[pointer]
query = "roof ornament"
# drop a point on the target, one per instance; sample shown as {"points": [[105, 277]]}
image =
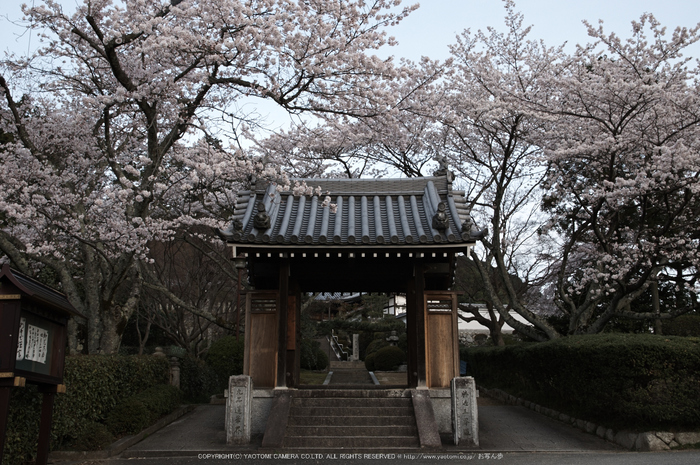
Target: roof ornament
{"points": [[261, 222], [440, 220], [443, 168], [237, 225], [473, 230]]}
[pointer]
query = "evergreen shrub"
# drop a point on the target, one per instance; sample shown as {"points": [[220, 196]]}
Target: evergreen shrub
{"points": [[684, 325], [636, 381], [312, 356], [198, 380], [369, 361], [95, 384], [143, 409], [389, 358], [225, 356]]}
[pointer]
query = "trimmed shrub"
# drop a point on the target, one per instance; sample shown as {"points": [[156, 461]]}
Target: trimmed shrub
{"points": [[312, 357], [369, 361], [198, 381], [95, 384], [95, 436], [378, 343], [225, 356], [142, 410], [630, 381], [684, 325], [389, 358]]}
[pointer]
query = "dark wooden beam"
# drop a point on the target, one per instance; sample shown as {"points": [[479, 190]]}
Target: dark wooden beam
{"points": [[283, 306]]}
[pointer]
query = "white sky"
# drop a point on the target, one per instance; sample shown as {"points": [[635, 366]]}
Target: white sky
{"points": [[429, 30]]}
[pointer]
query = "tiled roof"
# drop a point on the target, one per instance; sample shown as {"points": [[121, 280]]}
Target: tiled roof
{"points": [[368, 212], [39, 291]]}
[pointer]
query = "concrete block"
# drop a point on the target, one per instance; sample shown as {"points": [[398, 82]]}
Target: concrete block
{"points": [[239, 409], [442, 407], [600, 432], [581, 424], [425, 419], [648, 442], [688, 438], [673, 444], [465, 418], [626, 439], [564, 417]]}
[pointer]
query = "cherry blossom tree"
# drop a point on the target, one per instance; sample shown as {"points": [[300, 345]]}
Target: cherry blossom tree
{"points": [[399, 140], [624, 183], [488, 136], [113, 131]]}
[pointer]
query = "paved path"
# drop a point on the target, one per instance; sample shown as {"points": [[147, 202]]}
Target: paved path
{"points": [[513, 428], [501, 429]]}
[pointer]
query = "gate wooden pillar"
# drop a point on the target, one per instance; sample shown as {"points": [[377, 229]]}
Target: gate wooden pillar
{"points": [[283, 309], [415, 327]]}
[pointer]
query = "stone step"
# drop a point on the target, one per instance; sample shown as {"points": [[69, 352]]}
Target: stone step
{"points": [[352, 431], [364, 393], [350, 402], [304, 420], [344, 442], [355, 411]]}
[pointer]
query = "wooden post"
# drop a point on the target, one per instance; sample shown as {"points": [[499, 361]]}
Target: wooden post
{"points": [[42, 455], [419, 328], [5, 392], [283, 308]]}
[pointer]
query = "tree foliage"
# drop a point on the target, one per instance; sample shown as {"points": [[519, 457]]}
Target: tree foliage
{"points": [[113, 130]]}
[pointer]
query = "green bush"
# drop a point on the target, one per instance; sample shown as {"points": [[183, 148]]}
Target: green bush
{"points": [[143, 409], [636, 381], [684, 325], [198, 381], [312, 357], [95, 384], [129, 417], [389, 358], [379, 343], [369, 361], [95, 436], [225, 356]]}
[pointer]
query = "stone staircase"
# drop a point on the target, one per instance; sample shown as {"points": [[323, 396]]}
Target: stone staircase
{"points": [[351, 419]]}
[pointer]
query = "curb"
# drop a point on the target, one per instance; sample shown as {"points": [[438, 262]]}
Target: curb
{"points": [[122, 444], [649, 441]]}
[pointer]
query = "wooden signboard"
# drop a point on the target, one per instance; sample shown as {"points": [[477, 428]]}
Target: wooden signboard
{"points": [[33, 331]]}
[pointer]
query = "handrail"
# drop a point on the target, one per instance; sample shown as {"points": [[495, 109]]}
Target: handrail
{"points": [[337, 347]]}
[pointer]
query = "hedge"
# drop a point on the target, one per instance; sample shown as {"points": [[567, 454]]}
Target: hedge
{"points": [[143, 409], [635, 381], [225, 356], [95, 384]]}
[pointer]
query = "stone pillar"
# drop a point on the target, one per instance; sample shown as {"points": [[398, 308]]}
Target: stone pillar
{"points": [[355, 347], [465, 417], [175, 372], [239, 404]]}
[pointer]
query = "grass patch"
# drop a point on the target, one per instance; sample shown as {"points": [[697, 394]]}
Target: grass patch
{"points": [[312, 377]]}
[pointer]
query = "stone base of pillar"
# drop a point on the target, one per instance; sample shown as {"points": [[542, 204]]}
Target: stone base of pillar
{"points": [[465, 416], [239, 404]]}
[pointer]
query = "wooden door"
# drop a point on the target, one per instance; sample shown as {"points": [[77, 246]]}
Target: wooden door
{"points": [[261, 336]]}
